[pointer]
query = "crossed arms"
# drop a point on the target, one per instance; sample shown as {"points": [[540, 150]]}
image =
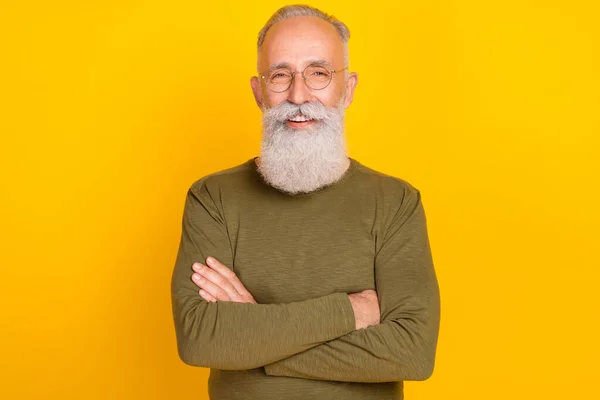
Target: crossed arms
{"points": [[314, 338]]}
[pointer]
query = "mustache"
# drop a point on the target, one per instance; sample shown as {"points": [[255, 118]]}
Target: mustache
{"points": [[287, 110]]}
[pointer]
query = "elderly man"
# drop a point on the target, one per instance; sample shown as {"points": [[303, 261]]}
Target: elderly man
{"points": [[302, 273]]}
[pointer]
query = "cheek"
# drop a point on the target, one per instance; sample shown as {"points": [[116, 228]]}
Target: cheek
{"points": [[273, 99], [330, 98]]}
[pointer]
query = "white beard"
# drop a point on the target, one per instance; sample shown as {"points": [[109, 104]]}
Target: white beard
{"points": [[303, 160]]}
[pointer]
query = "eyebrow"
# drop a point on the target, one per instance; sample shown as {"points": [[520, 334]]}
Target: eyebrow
{"points": [[320, 62]]}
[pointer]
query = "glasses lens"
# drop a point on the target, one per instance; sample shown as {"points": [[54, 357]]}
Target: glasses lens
{"points": [[279, 80], [317, 77]]}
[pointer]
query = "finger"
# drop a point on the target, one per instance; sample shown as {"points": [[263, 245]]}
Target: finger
{"points": [[214, 290], [229, 274], [216, 278], [207, 296]]}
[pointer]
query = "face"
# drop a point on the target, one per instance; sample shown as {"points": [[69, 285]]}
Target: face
{"points": [[297, 42], [303, 146]]}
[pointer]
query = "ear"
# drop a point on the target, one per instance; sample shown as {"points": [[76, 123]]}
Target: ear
{"points": [[350, 86], [256, 90]]}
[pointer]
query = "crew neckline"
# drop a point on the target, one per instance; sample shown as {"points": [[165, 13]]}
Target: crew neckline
{"points": [[251, 164]]}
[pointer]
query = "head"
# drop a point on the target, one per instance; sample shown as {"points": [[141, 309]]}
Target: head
{"points": [[303, 146]]}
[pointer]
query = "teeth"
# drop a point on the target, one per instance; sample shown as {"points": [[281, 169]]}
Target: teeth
{"points": [[300, 118]]}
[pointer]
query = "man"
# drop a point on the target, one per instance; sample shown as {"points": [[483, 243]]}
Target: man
{"points": [[322, 284]]}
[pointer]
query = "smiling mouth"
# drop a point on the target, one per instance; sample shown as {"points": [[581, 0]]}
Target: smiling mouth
{"points": [[299, 125], [299, 121], [300, 118]]}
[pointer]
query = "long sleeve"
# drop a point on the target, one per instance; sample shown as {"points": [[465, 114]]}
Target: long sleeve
{"points": [[237, 336], [403, 345]]}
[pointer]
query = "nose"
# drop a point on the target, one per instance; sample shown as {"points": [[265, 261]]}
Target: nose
{"points": [[299, 93]]}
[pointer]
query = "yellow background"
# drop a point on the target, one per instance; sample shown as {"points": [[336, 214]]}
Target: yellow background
{"points": [[111, 109]]}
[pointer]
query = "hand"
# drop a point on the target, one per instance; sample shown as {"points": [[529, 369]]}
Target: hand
{"points": [[219, 283], [366, 308]]}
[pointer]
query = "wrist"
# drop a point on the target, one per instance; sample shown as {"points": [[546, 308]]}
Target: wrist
{"points": [[356, 310]]}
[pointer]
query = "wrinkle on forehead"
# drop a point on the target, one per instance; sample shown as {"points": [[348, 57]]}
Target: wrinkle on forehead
{"points": [[301, 40]]}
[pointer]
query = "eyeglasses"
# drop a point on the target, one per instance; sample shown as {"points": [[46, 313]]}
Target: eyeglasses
{"points": [[316, 77]]}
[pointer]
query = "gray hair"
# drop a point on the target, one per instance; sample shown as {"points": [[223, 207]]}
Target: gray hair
{"points": [[301, 10]]}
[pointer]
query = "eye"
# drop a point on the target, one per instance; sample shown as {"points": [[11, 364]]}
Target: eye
{"points": [[318, 73], [280, 75]]}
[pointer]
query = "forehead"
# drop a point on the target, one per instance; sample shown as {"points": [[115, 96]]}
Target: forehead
{"points": [[298, 41]]}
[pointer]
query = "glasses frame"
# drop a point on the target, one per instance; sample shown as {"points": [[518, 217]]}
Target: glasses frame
{"points": [[332, 71]]}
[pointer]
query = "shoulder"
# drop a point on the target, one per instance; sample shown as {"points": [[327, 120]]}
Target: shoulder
{"points": [[218, 181], [390, 187], [396, 199]]}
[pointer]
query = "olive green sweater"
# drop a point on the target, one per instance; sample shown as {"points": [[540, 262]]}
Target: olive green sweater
{"points": [[300, 256]]}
